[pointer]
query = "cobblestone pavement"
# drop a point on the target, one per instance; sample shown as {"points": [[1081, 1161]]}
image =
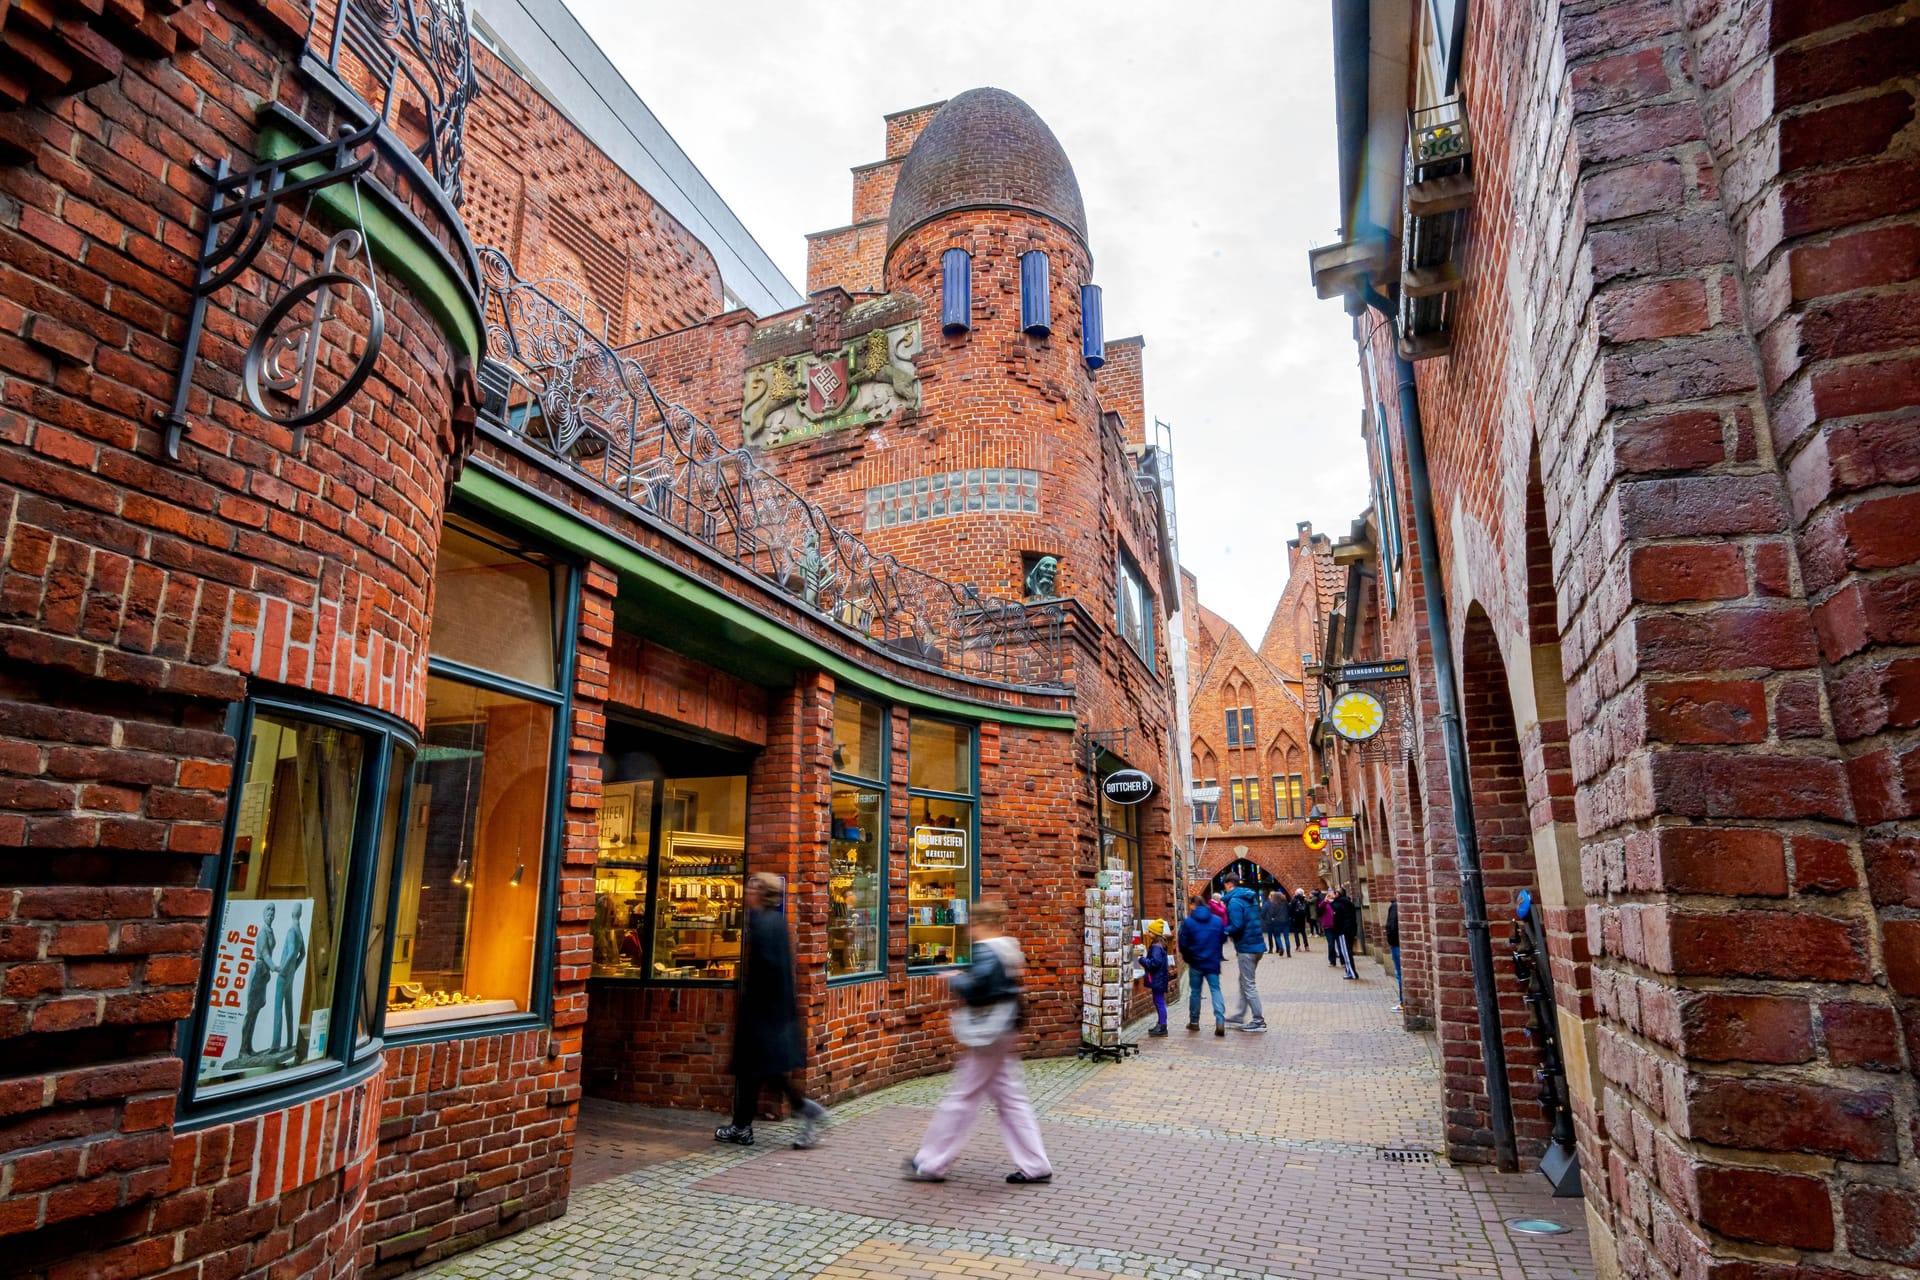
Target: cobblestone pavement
{"points": [[1250, 1156]]}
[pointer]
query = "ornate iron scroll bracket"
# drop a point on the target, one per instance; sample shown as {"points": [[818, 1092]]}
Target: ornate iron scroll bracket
{"points": [[242, 211]]}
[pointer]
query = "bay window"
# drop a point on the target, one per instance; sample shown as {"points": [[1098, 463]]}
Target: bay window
{"points": [[942, 869]]}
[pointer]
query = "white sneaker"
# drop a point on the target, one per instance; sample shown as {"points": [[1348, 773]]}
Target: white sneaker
{"points": [[812, 1114]]}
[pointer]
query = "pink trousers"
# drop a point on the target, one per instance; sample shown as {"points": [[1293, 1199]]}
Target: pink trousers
{"points": [[992, 1073]]}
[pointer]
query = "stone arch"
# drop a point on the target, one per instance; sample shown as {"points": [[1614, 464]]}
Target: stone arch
{"points": [[1545, 748], [1497, 776]]}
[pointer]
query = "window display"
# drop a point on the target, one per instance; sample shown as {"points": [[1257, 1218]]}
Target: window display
{"points": [[274, 964], [702, 884], [620, 880], [1120, 844], [374, 967], [940, 854], [669, 882], [856, 871], [474, 858]]}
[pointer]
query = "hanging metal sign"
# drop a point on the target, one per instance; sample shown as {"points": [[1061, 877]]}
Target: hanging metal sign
{"points": [[1313, 837], [284, 357], [1359, 672], [1340, 822], [1127, 786]]}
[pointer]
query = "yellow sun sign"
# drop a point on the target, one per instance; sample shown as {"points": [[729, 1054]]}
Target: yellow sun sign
{"points": [[1357, 715], [1313, 837]]}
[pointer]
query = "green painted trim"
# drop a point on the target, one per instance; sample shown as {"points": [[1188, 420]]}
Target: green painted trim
{"points": [[396, 244], [564, 527]]}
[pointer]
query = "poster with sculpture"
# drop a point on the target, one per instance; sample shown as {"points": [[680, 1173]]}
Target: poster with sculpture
{"points": [[868, 380], [257, 1001]]}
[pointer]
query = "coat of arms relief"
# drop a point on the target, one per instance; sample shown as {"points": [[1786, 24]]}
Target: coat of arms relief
{"points": [[868, 380]]}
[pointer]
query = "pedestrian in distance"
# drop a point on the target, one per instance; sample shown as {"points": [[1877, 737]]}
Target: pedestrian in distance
{"points": [[1249, 944], [1345, 929], [1393, 945], [1274, 918], [1314, 904], [1202, 938], [986, 1023], [767, 1045], [1218, 905], [1155, 967], [1326, 930], [1297, 910]]}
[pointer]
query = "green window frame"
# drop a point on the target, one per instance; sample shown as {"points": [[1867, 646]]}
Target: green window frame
{"points": [[846, 778]]}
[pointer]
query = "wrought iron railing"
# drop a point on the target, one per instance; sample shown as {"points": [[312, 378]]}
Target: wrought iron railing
{"points": [[554, 380], [412, 61]]}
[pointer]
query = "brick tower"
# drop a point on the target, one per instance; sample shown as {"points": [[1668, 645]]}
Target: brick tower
{"points": [[1008, 403]]}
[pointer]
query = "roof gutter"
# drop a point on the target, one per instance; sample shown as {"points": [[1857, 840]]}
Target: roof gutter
{"points": [[1352, 51]]}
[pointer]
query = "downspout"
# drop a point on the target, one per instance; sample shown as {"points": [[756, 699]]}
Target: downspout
{"points": [[1473, 898]]}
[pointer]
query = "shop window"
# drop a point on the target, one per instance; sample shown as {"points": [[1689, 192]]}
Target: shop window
{"points": [[857, 871], [942, 868], [1134, 610], [669, 884], [291, 985], [703, 840], [475, 858], [469, 930], [1120, 846], [374, 963]]}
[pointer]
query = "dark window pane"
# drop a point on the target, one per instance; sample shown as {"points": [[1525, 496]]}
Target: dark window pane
{"points": [[373, 996]]}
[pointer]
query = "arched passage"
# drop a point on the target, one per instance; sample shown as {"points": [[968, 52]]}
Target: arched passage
{"points": [[1504, 830]]}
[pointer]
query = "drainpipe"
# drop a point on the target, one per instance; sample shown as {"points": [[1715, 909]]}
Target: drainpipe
{"points": [[1473, 898]]}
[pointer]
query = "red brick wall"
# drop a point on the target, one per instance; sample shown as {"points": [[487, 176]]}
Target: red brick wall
{"points": [[538, 190], [1693, 322], [138, 598], [1121, 385]]}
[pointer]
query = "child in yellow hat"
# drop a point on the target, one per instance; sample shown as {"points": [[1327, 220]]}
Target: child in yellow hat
{"points": [[1154, 964]]}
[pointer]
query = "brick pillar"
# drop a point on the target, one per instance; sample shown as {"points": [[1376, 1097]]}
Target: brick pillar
{"points": [[788, 817], [1717, 805]]}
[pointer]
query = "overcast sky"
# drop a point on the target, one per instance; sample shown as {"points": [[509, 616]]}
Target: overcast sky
{"points": [[1202, 136]]}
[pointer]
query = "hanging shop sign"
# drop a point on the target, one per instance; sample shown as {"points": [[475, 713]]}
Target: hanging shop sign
{"points": [[1357, 715], [1313, 837], [1127, 786], [939, 848], [1340, 822], [1339, 854], [1360, 672]]}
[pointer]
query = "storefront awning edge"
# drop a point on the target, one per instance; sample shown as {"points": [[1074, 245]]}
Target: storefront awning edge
{"points": [[534, 512]]}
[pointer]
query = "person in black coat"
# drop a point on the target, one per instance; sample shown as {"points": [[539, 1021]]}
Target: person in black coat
{"points": [[767, 1044], [1346, 927]]}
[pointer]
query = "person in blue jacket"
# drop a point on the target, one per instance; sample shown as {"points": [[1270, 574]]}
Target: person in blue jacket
{"points": [[1244, 926], [1202, 937]]}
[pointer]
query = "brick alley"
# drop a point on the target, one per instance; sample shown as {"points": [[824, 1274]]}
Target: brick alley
{"points": [[1250, 1156]]}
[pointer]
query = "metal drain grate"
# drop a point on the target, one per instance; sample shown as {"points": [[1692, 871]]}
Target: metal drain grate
{"points": [[1404, 1155]]}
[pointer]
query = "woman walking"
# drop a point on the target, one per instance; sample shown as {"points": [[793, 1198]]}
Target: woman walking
{"points": [[986, 1024], [1345, 930]]}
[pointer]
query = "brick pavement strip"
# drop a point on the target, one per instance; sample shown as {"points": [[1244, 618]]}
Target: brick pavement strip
{"points": [[1252, 1156]]}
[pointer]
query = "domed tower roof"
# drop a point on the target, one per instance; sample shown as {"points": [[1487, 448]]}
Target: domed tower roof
{"points": [[985, 149]]}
